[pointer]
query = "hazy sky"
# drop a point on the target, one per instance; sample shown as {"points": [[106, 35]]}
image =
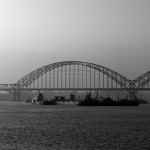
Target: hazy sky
{"points": [[111, 33]]}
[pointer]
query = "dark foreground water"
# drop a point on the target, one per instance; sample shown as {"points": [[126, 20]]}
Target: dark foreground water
{"points": [[36, 127]]}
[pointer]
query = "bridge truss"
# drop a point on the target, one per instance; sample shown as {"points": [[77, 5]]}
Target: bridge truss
{"points": [[77, 75]]}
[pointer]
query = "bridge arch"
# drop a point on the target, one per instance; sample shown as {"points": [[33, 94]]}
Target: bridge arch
{"points": [[142, 80], [119, 79]]}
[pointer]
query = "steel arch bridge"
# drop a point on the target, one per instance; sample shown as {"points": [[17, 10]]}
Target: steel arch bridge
{"points": [[77, 75], [73, 75]]}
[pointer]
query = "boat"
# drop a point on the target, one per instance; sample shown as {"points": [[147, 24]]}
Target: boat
{"points": [[123, 102], [49, 102], [88, 101]]}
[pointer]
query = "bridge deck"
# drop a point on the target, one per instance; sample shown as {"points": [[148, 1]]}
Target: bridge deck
{"points": [[8, 87]]}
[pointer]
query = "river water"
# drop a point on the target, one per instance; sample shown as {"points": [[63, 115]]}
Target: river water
{"points": [[25, 126]]}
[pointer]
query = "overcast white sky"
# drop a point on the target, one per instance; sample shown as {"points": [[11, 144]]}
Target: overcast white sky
{"points": [[111, 33]]}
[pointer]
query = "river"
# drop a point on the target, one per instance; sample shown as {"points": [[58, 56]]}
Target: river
{"points": [[25, 126]]}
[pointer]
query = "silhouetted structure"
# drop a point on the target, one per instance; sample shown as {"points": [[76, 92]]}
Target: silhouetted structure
{"points": [[40, 97], [88, 101]]}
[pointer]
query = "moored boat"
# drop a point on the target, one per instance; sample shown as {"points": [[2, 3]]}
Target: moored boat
{"points": [[88, 101]]}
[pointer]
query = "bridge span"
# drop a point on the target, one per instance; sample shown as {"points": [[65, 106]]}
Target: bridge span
{"points": [[77, 75]]}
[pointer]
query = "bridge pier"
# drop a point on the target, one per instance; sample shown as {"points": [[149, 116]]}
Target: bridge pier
{"points": [[16, 96], [132, 95]]}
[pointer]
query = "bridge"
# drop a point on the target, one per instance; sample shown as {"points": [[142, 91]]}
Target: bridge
{"points": [[77, 75]]}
